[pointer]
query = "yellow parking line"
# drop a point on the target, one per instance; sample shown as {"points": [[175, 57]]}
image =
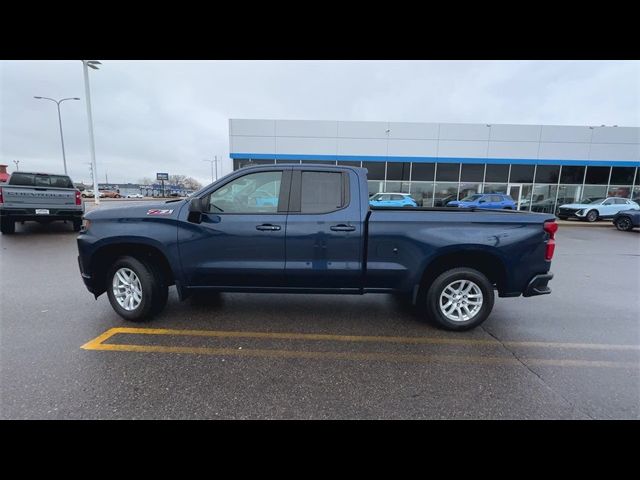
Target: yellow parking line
{"points": [[351, 338], [98, 344], [356, 356]]}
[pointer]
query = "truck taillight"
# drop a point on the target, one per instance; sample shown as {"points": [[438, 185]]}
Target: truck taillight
{"points": [[78, 198], [551, 227]]}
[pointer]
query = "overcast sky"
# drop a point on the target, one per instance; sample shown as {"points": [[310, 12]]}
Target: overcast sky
{"points": [[167, 116]]}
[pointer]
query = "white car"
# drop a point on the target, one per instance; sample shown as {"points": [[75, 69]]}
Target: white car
{"points": [[593, 209], [134, 195]]}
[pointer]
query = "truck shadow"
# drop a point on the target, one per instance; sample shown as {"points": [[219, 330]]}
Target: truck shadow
{"points": [[53, 228]]}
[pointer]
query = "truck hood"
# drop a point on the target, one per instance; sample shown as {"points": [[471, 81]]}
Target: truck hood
{"points": [[149, 209]]}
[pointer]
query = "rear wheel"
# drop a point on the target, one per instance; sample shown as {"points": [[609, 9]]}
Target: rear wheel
{"points": [[592, 216], [562, 217], [623, 224], [7, 226], [136, 291], [460, 299]]}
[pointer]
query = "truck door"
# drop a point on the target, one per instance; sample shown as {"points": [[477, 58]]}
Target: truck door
{"points": [[240, 239], [324, 230]]}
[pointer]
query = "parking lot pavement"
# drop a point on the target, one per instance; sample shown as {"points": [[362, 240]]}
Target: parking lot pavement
{"points": [[573, 354]]}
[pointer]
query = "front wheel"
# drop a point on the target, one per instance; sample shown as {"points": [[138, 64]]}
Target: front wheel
{"points": [[136, 290], [592, 216], [623, 224], [460, 299]]}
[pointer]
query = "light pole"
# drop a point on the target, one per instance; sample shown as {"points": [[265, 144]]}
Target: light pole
{"points": [[17, 162], [58, 102], [86, 64], [215, 160]]}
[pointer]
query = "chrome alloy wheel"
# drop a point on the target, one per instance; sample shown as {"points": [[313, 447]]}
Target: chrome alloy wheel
{"points": [[461, 300], [127, 289]]}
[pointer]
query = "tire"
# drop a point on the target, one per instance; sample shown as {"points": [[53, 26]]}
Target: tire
{"points": [[623, 224], [454, 279], [77, 225], [153, 285], [7, 226], [562, 217], [591, 216]]}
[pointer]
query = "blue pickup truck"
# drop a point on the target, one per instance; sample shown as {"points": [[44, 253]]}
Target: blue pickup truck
{"points": [[320, 236]]}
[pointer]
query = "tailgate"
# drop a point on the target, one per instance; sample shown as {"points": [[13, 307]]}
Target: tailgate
{"points": [[18, 196]]}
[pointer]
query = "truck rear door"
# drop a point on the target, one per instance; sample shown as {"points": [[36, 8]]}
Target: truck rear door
{"points": [[324, 240]]}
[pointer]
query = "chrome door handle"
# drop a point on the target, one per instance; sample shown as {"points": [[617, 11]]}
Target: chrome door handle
{"points": [[342, 228], [268, 227]]}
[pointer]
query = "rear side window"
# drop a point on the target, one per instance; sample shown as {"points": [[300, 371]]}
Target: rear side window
{"points": [[321, 192], [397, 197], [621, 201], [35, 180], [496, 198]]}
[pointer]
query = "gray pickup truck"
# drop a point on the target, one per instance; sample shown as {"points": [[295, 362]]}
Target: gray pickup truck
{"points": [[39, 197]]}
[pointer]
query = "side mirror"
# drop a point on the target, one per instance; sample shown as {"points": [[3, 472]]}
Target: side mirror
{"points": [[482, 201], [196, 209]]}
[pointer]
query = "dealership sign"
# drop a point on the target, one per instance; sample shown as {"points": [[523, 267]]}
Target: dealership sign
{"points": [[162, 176]]}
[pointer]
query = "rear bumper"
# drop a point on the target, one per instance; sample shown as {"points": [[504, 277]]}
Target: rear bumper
{"points": [[29, 214], [538, 285]]}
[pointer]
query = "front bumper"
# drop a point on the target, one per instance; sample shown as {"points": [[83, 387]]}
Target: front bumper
{"points": [[571, 212], [538, 285]]}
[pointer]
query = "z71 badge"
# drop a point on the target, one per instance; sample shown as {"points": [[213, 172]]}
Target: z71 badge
{"points": [[155, 211]]}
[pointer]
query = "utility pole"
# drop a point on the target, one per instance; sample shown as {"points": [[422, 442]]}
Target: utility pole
{"points": [[17, 162], [86, 64]]}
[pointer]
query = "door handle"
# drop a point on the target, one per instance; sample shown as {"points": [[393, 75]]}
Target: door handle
{"points": [[342, 228], [268, 227]]}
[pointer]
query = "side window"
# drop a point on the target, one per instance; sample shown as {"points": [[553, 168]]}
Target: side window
{"points": [[621, 201], [496, 198], [398, 197], [253, 193], [321, 192], [608, 202]]}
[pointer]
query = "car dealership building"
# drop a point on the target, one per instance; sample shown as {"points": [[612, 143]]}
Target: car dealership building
{"points": [[540, 166]]}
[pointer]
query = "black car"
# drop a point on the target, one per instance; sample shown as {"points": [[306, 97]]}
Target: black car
{"points": [[626, 220]]}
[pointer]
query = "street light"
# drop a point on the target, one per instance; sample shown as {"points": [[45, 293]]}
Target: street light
{"points": [[93, 65], [58, 102], [215, 160], [17, 162]]}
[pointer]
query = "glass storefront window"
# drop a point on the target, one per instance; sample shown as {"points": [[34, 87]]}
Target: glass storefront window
{"points": [[448, 172], [397, 187], [594, 191], [422, 193], [636, 195], [522, 173], [376, 170], [572, 174], [495, 188], [398, 171], [622, 175], [467, 189], [597, 175], [445, 193], [543, 198], [287, 161], [569, 194], [547, 174], [349, 163], [525, 197], [422, 172], [375, 186], [472, 172], [623, 191], [320, 162], [497, 173]]}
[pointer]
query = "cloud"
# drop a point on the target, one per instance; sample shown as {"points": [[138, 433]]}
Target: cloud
{"points": [[152, 116]]}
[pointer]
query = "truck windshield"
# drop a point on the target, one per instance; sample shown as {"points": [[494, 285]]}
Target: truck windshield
{"points": [[40, 180]]}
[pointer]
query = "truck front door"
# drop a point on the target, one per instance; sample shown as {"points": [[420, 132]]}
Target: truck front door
{"points": [[324, 239], [240, 239]]}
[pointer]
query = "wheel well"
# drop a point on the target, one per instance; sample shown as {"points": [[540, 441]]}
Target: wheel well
{"points": [[490, 265], [106, 256]]}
